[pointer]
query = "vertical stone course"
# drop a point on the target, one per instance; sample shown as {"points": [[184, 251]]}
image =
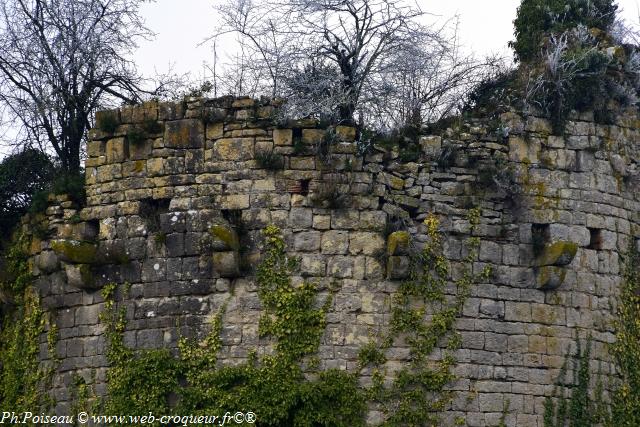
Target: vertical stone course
{"points": [[154, 201]]}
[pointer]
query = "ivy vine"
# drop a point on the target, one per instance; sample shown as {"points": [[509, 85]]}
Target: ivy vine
{"points": [[23, 379], [423, 316], [625, 408], [275, 387]]}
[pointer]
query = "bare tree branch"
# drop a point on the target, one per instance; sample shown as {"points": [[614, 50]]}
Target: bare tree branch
{"points": [[60, 60]]}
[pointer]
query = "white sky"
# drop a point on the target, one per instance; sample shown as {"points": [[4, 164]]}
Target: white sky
{"points": [[486, 26]]}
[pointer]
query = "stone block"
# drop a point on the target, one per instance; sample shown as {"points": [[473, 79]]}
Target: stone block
{"points": [[80, 276], [322, 222], [346, 133], [186, 133], [75, 251], [155, 167], [312, 266], [300, 218], [340, 267], [233, 149], [312, 136], [373, 220], [234, 201], [392, 181], [398, 267], [431, 145], [345, 219], [367, 243], [116, 150], [305, 163], [523, 151], [141, 150], [374, 270], [283, 137], [398, 243], [307, 241], [490, 252], [226, 237], [88, 314], [335, 242], [550, 277], [215, 130], [95, 148], [557, 253], [47, 261], [227, 264]]}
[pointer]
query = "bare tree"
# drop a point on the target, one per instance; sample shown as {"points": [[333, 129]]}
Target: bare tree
{"points": [[60, 60], [428, 79], [340, 43], [373, 61]]}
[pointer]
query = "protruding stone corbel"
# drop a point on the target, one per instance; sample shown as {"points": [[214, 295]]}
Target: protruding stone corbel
{"points": [[550, 264], [398, 255], [226, 256]]}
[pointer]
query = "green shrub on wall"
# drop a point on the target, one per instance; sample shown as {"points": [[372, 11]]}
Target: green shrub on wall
{"points": [[537, 18]]}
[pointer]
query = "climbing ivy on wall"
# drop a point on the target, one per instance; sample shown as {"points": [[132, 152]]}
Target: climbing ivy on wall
{"points": [[625, 409], [284, 388], [424, 316], [274, 386], [23, 380], [572, 404]]}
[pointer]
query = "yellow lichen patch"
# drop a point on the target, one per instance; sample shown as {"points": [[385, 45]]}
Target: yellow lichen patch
{"points": [[139, 165], [227, 235], [557, 253], [397, 242], [75, 251]]}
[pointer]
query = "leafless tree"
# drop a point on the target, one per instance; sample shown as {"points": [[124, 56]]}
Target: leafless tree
{"points": [[428, 79], [60, 60], [366, 60], [332, 46]]}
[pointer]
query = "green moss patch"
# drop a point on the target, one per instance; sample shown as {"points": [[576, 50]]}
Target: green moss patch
{"points": [[75, 251], [227, 235], [398, 243], [557, 253]]}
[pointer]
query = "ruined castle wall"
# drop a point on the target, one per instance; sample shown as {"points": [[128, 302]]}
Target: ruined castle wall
{"points": [[170, 172]]}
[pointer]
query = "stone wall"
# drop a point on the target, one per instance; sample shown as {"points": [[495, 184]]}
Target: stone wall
{"points": [[178, 193]]}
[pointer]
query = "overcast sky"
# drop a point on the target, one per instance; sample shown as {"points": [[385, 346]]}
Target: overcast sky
{"points": [[486, 26]]}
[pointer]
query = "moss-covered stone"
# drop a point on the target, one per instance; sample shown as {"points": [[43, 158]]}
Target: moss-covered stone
{"points": [[346, 133], [188, 133], [550, 277], [398, 243], [226, 235], [557, 253], [227, 264], [80, 276], [75, 251]]}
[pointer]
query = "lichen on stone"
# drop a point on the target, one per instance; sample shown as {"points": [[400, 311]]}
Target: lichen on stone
{"points": [[227, 235], [75, 251], [398, 243], [557, 253]]}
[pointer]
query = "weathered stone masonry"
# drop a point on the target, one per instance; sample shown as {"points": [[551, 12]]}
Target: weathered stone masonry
{"points": [[176, 200]]}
